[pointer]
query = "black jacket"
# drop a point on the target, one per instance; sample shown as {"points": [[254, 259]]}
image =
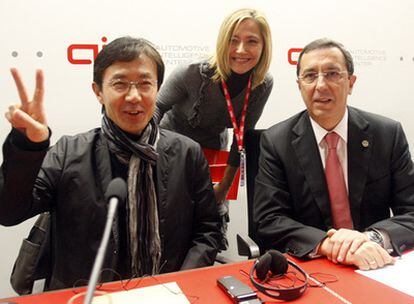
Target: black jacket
{"points": [[291, 205], [70, 179]]}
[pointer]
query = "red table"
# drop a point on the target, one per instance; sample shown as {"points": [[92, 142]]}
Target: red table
{"points": [[200, 286]]}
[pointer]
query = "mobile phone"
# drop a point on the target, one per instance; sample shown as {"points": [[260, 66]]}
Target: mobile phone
{"points": [[238, 291]]}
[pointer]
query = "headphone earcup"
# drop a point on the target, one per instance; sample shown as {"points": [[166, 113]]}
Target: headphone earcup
{"points": [[278, 264], [263, 266]]}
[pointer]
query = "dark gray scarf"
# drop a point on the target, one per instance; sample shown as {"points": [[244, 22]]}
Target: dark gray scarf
{"points": [[143, 225]]}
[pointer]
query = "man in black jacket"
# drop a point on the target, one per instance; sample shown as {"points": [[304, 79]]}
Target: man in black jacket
{"points": [[170, 221], [315, 197]]}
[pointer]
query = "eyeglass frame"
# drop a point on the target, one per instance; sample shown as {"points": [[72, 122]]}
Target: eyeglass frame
{"points": [[138, 85], [323, 74]]}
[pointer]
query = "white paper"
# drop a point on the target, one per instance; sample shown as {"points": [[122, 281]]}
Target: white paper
{"points": [[163, 293], [397, 276]]}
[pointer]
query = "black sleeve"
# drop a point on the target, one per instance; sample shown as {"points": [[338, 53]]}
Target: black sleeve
{"points": [[273, 207], [206, 233], [23, 194], [20, 140], [400, 227]]}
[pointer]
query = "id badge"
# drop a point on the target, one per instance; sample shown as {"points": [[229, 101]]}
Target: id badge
{"points": [[242, 168]]}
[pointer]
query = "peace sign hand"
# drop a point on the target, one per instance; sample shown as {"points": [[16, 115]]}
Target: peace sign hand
{"points": [[29, 116]]}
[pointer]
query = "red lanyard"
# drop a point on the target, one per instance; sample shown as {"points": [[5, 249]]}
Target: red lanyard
{"points": [[238, 131]]}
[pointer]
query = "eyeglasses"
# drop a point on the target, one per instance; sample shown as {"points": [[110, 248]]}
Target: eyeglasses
{"points": [[330, 76], [124, 86]]}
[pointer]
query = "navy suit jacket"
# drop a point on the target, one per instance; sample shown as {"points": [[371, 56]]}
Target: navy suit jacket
{"points": [[291, 208]]}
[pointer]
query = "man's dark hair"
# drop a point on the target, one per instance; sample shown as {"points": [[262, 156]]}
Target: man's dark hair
{"points": [[326, 43], [126, 49]]}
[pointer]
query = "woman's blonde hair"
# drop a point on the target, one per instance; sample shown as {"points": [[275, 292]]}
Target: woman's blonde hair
{"points": [[220, 60]]}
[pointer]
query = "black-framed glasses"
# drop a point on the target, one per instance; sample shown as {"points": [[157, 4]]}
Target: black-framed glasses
{"points": [[124, 86], [329, 76]]}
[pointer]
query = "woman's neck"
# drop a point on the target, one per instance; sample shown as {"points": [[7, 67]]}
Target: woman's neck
{"points": [[237, 82]]}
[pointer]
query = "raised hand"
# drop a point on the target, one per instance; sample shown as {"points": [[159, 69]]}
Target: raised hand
{"points": [[29, 116]]}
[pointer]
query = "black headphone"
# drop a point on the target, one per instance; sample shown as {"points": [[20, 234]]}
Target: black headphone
{"points": [[277, 264]]}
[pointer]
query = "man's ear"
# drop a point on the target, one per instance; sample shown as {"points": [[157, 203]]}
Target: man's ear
{"points": [[298, 82], [97, 90], [352, 80]]}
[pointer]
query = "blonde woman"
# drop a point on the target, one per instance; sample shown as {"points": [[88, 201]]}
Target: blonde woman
{"points": [[203, 99]]}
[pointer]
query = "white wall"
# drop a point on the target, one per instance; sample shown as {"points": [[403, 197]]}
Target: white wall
{"points": [[379, 33]]}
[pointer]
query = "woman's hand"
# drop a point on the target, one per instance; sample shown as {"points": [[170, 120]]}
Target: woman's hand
{"points": [[220, 191]]}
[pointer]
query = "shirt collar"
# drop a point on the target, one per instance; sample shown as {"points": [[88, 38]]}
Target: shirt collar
{"points": [[341, 129]]}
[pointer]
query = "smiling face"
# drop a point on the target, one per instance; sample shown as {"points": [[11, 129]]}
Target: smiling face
{"points": [[133, 109], [246, 46], [325, 100]]}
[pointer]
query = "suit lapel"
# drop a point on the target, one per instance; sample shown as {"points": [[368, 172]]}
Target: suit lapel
{"points": [[103, 171], [360, 142], [165, 155], [307, 152], [103, 165]]}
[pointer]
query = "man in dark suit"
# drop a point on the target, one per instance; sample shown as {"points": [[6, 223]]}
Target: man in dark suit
{"points": [[330, 176]]}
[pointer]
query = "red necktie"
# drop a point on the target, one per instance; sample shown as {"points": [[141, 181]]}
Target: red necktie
{"points": [[341, 214]]}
